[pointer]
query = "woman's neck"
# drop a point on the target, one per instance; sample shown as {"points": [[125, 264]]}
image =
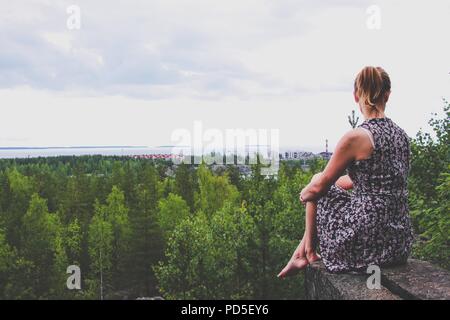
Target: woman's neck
{"points": [[377, 116], [376, 113]]}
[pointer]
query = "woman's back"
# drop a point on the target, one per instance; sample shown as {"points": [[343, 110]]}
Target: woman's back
{"points": [[371, 225], [386, 171]]}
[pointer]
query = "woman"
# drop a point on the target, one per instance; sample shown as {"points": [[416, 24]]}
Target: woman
{"points": [[370, 225]]}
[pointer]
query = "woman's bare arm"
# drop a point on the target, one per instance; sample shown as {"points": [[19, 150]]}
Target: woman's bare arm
{"points": [[355, 145]]}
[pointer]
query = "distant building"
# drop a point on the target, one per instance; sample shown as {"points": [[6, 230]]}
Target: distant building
{"points": [[326, 155], [296, 155], [165, 156]]}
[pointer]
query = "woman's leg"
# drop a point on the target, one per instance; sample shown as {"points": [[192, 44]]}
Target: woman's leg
{"points": [[305, 252], [310, 235], [297, 262]]}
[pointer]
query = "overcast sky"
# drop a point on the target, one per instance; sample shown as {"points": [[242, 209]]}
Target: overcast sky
{"points": [[136, 71]]}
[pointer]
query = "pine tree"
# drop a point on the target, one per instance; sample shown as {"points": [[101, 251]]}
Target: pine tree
{"points": [[147, 242], [100, 252], [213, 191], [183, 274], [172, 211], [7, 258], [40, 229], [73, 240], [353, 122], [184, 184], [59, 286], [116, 213], [19, 191]]}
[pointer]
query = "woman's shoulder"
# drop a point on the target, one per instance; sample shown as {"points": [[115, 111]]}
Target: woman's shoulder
{"points": [[357, 139], [353, 135]]}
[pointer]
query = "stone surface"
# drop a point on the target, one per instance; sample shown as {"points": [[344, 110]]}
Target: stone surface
{"points": [[417, 280], [414, 280], [322, 285], [150, 298]]}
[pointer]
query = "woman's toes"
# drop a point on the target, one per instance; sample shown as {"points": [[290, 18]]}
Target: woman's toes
{"points": [[283, 272], [293, 267]]}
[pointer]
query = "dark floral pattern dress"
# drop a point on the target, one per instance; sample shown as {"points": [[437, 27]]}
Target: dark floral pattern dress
{"points": [[370, 224]]}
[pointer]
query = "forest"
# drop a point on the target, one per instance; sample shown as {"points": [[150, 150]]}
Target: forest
{"points": [[143, 228]]}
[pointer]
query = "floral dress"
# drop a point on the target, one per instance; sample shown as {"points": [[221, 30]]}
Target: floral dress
{"points": [[370, 224]]}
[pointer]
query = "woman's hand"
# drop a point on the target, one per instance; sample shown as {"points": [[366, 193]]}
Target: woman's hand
{"points": [[300, 196], [349, 148], [303, 202], [303, 194]]}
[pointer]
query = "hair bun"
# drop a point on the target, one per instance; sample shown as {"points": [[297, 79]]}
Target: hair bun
{"points": [[372, 84]]}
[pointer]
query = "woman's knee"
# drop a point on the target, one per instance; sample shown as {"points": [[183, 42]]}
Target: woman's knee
{"points": [[316, 176]]}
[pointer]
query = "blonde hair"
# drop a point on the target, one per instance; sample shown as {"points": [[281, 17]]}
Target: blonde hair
{"points": [[372, 85]]}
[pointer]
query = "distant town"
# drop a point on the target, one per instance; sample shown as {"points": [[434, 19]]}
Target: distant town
{"points": [[160, 152], [284, 154]]}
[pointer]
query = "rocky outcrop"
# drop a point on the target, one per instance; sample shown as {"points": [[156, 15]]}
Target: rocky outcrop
{"points": [[414, 280]]}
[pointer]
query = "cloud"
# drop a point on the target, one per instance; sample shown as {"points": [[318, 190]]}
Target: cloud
{"points": [[137, 47], [139, 69]]}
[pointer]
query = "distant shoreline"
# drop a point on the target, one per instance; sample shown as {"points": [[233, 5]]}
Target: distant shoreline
{"points": [[35, 152], [71, 147]]}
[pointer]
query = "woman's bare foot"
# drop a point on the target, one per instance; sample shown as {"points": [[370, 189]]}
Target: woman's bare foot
{"points": [[311, 255], [300, 259], [293, 267], [297, 262]]}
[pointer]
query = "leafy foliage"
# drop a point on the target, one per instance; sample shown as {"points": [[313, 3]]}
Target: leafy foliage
{"points": [[139, 227], [429, 190]]}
